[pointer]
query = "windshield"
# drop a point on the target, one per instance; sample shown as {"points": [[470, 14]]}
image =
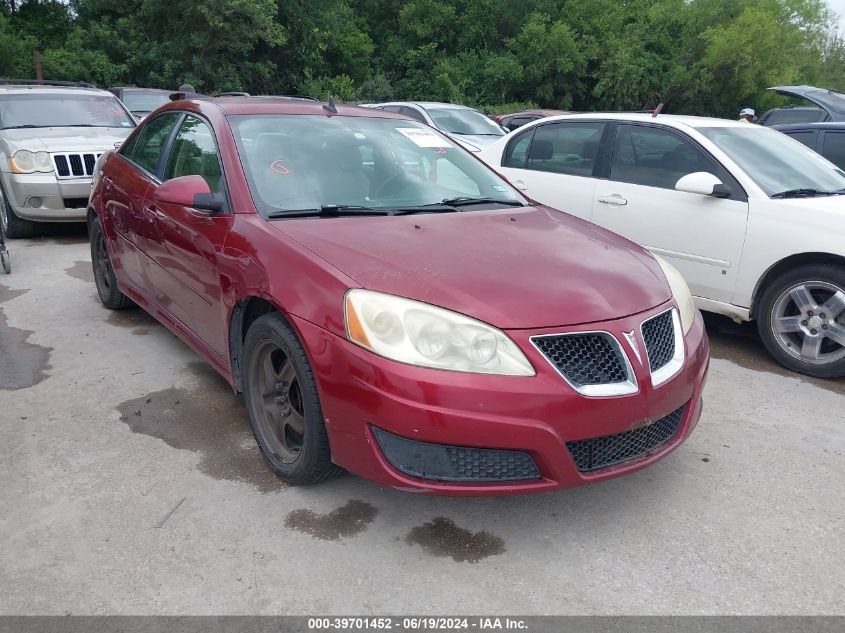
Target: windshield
{"points": [[138, 101], [296, 162], [774, 161], [58, 110], [461, 121]]}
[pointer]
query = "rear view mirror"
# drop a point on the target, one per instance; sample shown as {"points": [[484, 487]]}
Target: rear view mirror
{"points": [[703, 183]]}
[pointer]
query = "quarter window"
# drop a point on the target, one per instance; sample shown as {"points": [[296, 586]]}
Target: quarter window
{"points": [[655, 158], [566, 148], [145, 151], [194, 153]]}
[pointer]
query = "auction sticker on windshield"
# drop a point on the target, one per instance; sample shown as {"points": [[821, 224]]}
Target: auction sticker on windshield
{"points": [[423, 138]]}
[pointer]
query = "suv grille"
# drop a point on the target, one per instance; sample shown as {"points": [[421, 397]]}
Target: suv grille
{"points": [[659, 336], [75, 165], [601, 452], [592, 358]]}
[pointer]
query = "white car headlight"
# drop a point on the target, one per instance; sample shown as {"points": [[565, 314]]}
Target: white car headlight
{"points": [[26, 162], [681, 293], [417, 333]]}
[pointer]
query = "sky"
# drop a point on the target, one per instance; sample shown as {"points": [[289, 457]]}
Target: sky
{"points": [[839, 7]]}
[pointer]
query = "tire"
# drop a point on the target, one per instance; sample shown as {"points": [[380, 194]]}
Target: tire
{"points": [[104, 277], [283, 405], [5, 262], [13, 226], [801, 320]]}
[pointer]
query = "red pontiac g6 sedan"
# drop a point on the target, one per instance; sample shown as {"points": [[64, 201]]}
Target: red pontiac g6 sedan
{"points": [[389, 305]]}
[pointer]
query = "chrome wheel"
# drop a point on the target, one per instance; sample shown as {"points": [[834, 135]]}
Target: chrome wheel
{"points": [[102, 265], [277, 401], [808, 322]]}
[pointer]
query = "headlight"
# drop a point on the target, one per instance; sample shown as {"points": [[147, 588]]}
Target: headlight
{"points": [[421, 334], [26, 162], [681, 293]]}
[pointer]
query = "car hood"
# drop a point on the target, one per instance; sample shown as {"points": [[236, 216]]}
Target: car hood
{"points": [[479, 140], [65, 139], [512, 268]]}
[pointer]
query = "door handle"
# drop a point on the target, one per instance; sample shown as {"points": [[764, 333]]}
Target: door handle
{"points": [[613, 199]]}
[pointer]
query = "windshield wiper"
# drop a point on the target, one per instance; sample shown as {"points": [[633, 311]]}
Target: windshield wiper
{"points": [[20, 127], [467, 200], [434, 207], [802, 193], [328, 211]]}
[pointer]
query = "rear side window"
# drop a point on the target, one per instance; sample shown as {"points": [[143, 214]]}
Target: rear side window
{"points": [[413, 113], [808, 138], [783, 116], [655, 157], [566, 148], [145, 149], [834, 148], [194, 153]]}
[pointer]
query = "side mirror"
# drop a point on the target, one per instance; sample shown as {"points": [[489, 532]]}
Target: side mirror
{"points": [[190, 191], [703, 183]]}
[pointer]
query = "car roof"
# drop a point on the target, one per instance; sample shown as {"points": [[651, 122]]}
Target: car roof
{"points": [[539, 111], [277, 105], [51, 90], [673, 120], [138, 89], [818, 125], [426, 105]]}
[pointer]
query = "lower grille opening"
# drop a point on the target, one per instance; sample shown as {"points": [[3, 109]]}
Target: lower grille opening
{"points": [[443, 462], [607, 450], [75, 203]]}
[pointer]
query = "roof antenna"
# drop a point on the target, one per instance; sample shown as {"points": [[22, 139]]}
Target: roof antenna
{"points": [[330, 107], [658, 109]]}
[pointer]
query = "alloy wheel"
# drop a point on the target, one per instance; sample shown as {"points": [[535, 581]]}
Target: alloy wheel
{"points": [[277, 401], [808, 322], [102, 266], [4, 217]]}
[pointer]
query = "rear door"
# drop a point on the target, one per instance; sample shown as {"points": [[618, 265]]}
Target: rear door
{"points": [[702, 236], [189, 241], [557, 162], [810, 138], [833, 147]]}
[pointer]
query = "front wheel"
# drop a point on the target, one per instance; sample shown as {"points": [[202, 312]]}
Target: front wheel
{"points": [[104, 277], [283, 405], [801, 320], [13, 226]]}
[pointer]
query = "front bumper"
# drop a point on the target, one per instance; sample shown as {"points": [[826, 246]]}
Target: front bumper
{"points": [[43, 198], [361, 393]]}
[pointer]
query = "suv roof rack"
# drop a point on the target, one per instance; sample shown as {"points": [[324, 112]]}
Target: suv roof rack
{"points": [[45, 82]]}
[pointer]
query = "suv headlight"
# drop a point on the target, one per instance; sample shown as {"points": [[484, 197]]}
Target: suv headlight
{"points": [[681, 293], [26, 162], [420, 334]]}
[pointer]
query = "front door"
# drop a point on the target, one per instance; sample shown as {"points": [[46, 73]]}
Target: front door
{"points": [[702, 236], [189, 240]]}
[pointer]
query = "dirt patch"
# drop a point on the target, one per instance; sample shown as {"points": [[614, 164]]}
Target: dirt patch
{"points": [[7, 294], [209, 420], [349, 519], [81, 270], [441, 537], [137, 321], [22, 364], [740, 344]]}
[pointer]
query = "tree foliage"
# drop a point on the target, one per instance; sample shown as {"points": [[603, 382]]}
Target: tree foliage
{"points": [[703, 56]]}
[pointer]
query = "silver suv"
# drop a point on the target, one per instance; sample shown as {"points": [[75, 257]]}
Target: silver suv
{"points": [[50, 139]]}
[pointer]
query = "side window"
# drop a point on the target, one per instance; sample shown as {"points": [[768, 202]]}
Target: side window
{"points": [[810, 139], [655, 157], [146, 150], [566, 148], [518, 122], [413, 113], [834, 148], [395, 109], [516, 153], [194, 153]]}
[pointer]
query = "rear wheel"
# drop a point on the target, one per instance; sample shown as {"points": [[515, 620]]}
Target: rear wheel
{"points": [[104, 277], [284, 408], [13, 226], [801, 320]]}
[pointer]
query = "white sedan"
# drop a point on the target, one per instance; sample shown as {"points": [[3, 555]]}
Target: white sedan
{"points": [[753, 219]]}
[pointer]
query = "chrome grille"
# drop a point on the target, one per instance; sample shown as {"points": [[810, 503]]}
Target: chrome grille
{"points": [[75, 164], [593, 363], [659, 337], [607, 450]]}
